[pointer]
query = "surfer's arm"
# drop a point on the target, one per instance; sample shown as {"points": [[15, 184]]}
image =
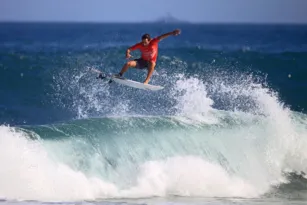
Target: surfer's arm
{"points": [[173, 33], [132, 48]]}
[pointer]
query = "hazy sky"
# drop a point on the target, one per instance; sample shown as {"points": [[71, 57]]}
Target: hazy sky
{"points": [[286, 11]]}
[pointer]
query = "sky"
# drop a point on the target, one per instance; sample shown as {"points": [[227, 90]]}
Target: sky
{"points": [[204, 11]]}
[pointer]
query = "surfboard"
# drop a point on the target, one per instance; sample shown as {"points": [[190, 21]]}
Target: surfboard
{"points": [[127, 82]]}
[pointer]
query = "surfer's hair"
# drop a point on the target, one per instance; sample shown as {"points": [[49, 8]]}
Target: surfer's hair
{"points": [[146, 36]]}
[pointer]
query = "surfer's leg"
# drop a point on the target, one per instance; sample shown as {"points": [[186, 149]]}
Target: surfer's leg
{"points": [[151, 68], [132, 63]]}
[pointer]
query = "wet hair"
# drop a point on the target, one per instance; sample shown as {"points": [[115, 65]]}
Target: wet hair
{"points": [[146, 36]]}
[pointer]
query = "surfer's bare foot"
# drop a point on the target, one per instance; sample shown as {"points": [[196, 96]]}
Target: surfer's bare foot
{"points": [[146, 82]]}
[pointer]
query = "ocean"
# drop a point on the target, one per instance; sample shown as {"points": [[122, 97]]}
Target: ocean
{"points": [[229, 127]]}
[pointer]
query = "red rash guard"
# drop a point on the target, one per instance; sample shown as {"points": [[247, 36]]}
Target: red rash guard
{"points": [[149, 52]]}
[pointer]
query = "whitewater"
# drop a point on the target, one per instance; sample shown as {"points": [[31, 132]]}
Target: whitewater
{"points": [[199, 152]]}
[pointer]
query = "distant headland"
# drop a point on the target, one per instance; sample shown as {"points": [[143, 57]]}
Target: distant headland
{"points": [[168, 18]]}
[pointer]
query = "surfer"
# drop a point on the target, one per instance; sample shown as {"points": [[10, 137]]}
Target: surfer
{"points": [[149, 49]]}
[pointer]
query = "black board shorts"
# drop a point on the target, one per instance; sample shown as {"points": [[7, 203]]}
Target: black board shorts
{"points": [[141, 63]]}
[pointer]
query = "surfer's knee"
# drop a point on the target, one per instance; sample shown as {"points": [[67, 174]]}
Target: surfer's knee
{"points": [[131, 63]]}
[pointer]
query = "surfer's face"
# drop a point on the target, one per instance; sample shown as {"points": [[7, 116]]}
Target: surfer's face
{"points": [[145, 41]]}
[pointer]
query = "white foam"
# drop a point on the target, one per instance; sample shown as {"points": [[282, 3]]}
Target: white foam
{"points": [[27, 173], [188, 176], [193, 104]]}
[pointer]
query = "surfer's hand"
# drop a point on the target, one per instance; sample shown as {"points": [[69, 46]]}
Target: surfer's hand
{"points": [[128, 56], [176, 32]]}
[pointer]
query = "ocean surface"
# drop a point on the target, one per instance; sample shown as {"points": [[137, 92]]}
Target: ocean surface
{"points": [[230, 126]]}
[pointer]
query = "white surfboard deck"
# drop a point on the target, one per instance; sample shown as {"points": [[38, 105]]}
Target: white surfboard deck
{"points": [[130, 83]]}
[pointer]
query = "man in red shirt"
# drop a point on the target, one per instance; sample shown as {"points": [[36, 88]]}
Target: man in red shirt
{"points": [[149, 50]]}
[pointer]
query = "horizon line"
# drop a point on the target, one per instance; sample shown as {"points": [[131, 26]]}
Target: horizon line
{"points": [[153, 22]]}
